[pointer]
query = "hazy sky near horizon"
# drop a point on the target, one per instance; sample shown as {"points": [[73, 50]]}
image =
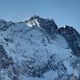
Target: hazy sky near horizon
{"points": [[64, 12]]}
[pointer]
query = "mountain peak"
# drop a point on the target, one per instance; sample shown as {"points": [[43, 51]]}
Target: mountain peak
{"points": [[46, 24], [72, 37], [34, 17], [33, 21]]}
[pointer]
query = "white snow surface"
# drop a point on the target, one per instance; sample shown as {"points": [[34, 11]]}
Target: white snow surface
{"points": [[26, 42]]}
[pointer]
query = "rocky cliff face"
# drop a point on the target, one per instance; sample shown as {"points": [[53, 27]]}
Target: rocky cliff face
{"points": [[37, 49], [72, 37], [46, 25]]}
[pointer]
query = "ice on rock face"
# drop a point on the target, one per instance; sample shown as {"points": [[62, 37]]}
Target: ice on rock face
{"points": [[32, 53], [47, 25]]}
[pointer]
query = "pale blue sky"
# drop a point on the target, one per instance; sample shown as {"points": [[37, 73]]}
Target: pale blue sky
{"points": [[62, 11]]}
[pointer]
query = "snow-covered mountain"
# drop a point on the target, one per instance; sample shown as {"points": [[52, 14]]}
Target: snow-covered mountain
{"points": [[36, 49]]}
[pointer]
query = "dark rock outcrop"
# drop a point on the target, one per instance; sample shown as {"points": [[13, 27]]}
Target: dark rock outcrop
{"points": [[5, 60], [72, 37], [5, 25]]}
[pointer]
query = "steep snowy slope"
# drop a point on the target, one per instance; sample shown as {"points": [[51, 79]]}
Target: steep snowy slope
{"points": [[35, 50]]}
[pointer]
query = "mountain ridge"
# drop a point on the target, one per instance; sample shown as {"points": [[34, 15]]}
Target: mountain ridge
{"points": [[38, 49]]}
